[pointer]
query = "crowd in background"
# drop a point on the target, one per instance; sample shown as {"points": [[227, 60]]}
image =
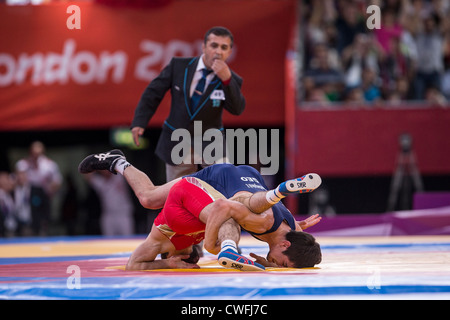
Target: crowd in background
{"points": [[27, 193], [407, 59], [27, 200]]}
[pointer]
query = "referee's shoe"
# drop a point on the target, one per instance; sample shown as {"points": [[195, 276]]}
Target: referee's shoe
{"points": [[101, 161]]}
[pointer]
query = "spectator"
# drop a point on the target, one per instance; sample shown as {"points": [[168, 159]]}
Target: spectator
{"points": [[430, 57], [117, 207], [8, 222], [435, 97], [30, 203], [403, 88], [320, 74], [390, 28], [22, 200], [42, 172], [393, 98], [354, 97], [320, 203], [317, 96], [397, 64], [371, 86], [349, 23], [361, 54]]}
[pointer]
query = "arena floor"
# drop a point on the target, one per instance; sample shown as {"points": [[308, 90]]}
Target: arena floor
{"points": [[407, 267]]}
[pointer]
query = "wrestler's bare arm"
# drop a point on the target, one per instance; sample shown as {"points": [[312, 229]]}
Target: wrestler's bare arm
{"points": [[222, 210], [257, 203], [143, 258]]}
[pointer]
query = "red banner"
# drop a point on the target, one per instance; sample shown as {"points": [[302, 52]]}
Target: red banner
{"points": [[366, 142], [55, 76]]}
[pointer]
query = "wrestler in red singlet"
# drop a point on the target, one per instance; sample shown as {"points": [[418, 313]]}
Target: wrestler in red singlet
{"points": [[179, 219]]}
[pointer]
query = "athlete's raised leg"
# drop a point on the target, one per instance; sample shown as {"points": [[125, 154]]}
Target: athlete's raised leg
{"points": [[101, 161], [149, 195], [308, 183], [259, 202]]}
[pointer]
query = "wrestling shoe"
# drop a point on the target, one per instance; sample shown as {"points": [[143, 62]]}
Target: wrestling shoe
{"points": [[101, 161], [308, 183], [232, 259]]}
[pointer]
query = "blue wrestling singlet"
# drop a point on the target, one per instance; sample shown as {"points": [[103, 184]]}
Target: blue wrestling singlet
{"points": [[229, 179]]}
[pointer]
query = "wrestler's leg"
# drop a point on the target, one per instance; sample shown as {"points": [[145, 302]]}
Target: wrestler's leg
{"points": [[225, 235], [229, 235], [149, 195], [255, 202], [308, 183], [259, 202], [230, 230]]}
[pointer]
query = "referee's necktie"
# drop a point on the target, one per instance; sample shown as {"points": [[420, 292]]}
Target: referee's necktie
{"points": [[199, 90]]}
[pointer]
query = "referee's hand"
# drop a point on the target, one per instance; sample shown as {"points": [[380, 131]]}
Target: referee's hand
{"points": [[137, 132]]}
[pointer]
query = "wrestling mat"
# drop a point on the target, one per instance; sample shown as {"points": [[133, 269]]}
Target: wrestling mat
{"points": [[403, 267]]}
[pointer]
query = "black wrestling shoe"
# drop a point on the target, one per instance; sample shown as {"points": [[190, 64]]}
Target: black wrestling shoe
{"points": [[101, 161]]}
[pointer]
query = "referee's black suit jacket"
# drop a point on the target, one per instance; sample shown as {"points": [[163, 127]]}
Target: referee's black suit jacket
{"points": [[177, 77]]}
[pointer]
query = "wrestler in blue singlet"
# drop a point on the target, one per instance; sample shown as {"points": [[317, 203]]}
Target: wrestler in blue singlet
{"points": [[229, 180]]}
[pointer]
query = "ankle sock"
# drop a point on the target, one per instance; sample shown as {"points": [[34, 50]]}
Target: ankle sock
{"points": [[228, 245], [121, 165], [274, 196]]}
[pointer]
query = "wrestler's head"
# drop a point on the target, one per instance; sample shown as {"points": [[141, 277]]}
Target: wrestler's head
{"points": [[194, 256], [298, 250]]}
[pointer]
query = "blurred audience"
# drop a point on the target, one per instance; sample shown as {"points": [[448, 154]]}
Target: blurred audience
{"points": [[31, 203], [320, 203], [430, 62], [322, 73], [26, 195], [8, 222], [408, 58]]}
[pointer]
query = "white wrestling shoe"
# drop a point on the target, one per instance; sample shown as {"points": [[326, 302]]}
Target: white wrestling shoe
{"points": [[308, 183], [231, 259]]}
